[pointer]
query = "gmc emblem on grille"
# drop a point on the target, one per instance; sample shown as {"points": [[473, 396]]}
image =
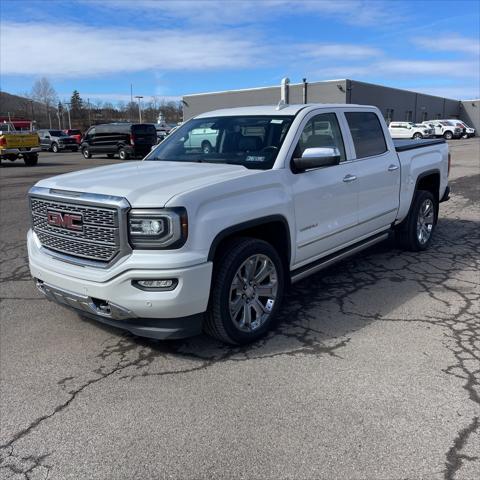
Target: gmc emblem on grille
{"points": [[70, 221]]}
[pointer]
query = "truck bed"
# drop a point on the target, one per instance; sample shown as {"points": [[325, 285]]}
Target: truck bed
{"points": [[403, 145]]}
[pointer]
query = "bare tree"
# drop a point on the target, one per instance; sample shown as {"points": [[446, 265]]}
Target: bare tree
{"points": [[43, 92]]}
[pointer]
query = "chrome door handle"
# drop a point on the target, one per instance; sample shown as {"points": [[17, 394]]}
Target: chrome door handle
{"points": [[392, 168], [349, 178]]}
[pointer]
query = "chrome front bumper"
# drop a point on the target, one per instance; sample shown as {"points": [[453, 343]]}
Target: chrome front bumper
{"points": [[89, 305]]}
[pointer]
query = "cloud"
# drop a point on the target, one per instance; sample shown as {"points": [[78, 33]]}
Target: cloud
{"points": [[247, 12], [105, 51], [405, 68], [324, 50], [450, 43], [122, 97]]}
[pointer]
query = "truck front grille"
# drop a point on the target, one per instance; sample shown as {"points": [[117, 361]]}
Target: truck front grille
{"points": [[93, 234]]}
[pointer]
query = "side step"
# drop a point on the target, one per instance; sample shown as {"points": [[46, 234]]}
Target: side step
{"points": [[311, 268]]}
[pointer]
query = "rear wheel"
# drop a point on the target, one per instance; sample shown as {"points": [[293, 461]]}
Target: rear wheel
{"points": [[54, 148], [86, 152], [30, 159], [123, 154], [247, 291], [207, 147], [416, 232], [448, 135]]}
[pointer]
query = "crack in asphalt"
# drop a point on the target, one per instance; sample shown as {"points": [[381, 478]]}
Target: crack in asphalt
{"points": [[456, 249]]}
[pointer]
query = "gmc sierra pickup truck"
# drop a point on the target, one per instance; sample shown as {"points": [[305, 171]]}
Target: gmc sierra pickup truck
{"points": [[194, 238]]}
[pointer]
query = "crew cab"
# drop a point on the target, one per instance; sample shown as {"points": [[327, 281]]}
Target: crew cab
{"points": [[410, 130], [57, 140], [15, 144], [187, 240]]}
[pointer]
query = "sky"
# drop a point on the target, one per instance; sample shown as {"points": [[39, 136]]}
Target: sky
{"points": [[171, 48]]}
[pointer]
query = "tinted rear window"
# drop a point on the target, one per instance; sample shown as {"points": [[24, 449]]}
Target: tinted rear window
{"points": [[144, 129], [367, 134]]}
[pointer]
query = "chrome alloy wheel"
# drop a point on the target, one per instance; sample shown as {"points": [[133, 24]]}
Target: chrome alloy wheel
{"points": [[425, 220], [253, 293]]}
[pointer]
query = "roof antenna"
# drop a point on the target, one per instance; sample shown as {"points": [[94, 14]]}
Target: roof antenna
{"points": [[283, 93]]}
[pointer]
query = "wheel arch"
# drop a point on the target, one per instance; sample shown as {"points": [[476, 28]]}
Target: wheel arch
{"points": [[430, 181], [273, 229]]}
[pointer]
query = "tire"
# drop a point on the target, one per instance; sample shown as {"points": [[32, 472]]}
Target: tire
{"points": [[86, 152], [255, 313], [110, 155], [207, 147], [55, 148], [418, 136], [448, 135], [31, 159], [416, 232], [123, 154]]}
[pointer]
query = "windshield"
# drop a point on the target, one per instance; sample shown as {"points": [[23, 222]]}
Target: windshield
{"points": [[58, 133], [251, 141]]}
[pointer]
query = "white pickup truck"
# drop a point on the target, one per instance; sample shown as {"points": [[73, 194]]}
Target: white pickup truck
{"points": [[189, 239]]}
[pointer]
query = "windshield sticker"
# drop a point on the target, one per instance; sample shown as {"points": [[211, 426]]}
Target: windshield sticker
{"points": [[276, 120], [254, 158]]}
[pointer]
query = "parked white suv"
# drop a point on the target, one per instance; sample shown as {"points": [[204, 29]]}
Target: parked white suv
{"points": [[467, 131], [189, 240], [410, 130], [445, 129]]}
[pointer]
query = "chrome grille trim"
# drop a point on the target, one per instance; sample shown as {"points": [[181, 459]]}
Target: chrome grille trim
{"points": [[103, 240]]}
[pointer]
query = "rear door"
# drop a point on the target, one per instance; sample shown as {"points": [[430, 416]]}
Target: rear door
{"points": [[325, 199], [144, 136], [378, 170]]}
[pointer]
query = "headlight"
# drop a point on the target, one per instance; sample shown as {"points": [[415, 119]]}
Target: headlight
{"points": [[159, 228]]}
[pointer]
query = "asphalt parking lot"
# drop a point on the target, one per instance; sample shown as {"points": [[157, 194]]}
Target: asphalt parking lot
{"points": [[373, 372]]}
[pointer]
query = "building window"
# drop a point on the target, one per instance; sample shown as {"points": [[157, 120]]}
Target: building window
{"points": [[389, 115], [424, 116], [408, 116]]}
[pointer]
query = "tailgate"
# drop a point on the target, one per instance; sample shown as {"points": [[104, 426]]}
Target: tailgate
{"points": [[21, 140]]}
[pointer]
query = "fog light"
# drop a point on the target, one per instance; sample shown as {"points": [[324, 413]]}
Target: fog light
{"points": [[164, 284]]}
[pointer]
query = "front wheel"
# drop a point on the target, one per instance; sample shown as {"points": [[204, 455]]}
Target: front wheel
{"points": [[247, 291], [448, 135], [86, 153], [207, 147], [418, 136], [54, 148], [416, 232]]}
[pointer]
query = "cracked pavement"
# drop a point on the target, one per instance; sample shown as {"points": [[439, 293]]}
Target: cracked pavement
{"points": [[373, 372]]}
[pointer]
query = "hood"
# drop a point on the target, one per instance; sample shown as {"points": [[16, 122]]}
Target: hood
{"points": [[146, 184]]}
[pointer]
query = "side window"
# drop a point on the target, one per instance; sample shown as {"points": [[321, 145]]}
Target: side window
{"points": [[367, 134], [90, 133], [321, 131]]}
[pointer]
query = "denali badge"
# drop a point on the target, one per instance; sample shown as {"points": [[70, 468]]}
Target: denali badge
{"points": [[70, 221]]}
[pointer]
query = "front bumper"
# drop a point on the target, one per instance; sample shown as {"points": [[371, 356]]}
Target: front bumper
{"points": [[116, 301]]}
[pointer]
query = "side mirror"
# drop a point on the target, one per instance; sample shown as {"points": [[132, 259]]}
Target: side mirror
{"points": [[317, 158]]}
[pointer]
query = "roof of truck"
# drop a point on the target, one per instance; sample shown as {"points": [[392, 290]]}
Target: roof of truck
{"points": [[271, 110]]}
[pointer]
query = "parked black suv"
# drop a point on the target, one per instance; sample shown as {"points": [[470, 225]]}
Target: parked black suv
{"points": [[125, 139], [56, 140]]}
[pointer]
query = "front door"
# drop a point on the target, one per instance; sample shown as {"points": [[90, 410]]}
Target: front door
{"points": [[325, 199]]}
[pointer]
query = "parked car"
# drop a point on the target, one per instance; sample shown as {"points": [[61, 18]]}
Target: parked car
{"points": [[410, 130], [56, 140], [125, 139], [16, 144], [74, 133], [445, 129], [186, 239], [467, 131]]}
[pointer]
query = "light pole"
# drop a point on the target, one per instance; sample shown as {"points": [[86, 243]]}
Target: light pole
{"points": [[139, 98], [69, 119]]}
